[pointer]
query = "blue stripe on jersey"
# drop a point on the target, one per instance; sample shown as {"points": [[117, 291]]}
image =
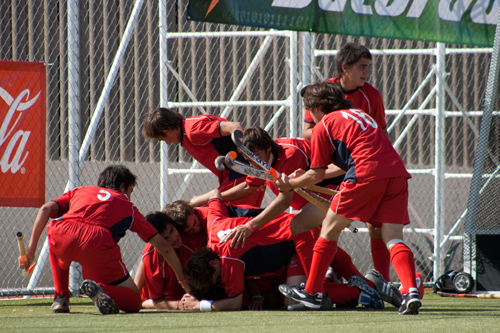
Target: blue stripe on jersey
{"points": [[119, 229], [342, 158]]}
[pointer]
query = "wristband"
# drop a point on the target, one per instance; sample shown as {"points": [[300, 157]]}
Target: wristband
{"points": [[183, 282], [249, 226], [258, 296], [205, 305]]}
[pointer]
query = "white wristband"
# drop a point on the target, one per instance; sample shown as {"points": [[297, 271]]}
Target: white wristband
{"points": [[205, 305]]}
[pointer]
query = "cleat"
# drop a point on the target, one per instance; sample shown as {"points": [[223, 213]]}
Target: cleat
{"points": [[369, 297], [388, 292], [411, 303], [298, 294], [61, 304], [420, 285], [103, 302], [326, 304]]}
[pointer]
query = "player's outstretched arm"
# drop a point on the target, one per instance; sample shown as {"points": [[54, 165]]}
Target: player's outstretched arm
{"points": [[190, 303], [49, 209], [228, 127]]}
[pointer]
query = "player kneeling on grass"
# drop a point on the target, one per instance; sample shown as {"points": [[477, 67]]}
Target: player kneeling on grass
{"points": [[375, 188], [93, 220]]}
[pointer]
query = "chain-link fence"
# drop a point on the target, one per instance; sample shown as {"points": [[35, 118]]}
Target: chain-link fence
{"points": [[244, 74]]}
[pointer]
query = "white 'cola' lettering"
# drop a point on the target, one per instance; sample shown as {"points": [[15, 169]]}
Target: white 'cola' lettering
{"points": [[13, 159], [482, 12]]}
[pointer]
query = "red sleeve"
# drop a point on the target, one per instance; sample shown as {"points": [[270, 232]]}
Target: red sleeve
{"points": [[201, 130], [307, 117], [216, 209], [378, 109], [321, 146], [153, 269], [64, 203], [233, 276], [142, 227]]}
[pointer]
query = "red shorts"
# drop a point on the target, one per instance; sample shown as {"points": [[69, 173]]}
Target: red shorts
{"points": [[91, 246], [378, 201]]}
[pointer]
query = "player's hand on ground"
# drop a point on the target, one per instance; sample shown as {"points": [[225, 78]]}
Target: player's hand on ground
{"points": [[283, 183], [239, 235], [256, 304], [189, 302]]}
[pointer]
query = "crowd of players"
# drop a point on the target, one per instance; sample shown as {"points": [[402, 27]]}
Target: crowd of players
{"points": [[220, 250]]}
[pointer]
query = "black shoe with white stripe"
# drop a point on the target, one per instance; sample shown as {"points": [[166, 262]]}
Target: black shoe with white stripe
{"points": [[389, 292], [298, 294], [411, 303]]}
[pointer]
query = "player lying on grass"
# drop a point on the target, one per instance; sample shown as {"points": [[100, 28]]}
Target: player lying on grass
{"points": [[375, 189], [92, 221], [205, 137], [267, 250], [353, 66], [156, 280]]}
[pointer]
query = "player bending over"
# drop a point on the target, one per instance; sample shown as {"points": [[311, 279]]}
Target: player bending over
{"points": [[93, 220], [375, 188]]}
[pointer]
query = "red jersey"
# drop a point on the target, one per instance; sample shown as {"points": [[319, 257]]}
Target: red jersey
{"points": [[295, 154], [104, 207], [160, 279], [366, 98], [353, 141], [237, 264], [201, 137]]}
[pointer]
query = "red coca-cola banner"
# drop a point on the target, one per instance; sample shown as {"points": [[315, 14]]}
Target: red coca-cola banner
{"points": [[22, 134]]}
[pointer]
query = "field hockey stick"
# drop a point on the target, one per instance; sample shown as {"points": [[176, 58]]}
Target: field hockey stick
{"points": [[236, 166], [22, 254], [236, 136], [496, 296]]}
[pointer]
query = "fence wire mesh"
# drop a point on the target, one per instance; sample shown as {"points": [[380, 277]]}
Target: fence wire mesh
{"points": [[211, 69]]}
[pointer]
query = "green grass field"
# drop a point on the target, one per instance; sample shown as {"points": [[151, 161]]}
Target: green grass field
{"points": [[438, 314]]}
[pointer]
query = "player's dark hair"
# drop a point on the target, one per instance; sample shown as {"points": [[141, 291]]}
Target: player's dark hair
{"points": [[158, 120], [326, 96], [114, 176], [350, 54], [198, 270], [256, 138], [159, 220], [178, 211]]}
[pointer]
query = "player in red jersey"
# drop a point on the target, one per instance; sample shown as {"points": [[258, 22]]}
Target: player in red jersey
{"points": [[159, 286], [205, 137], [93, 220], [266, 252], [353, 64], [375, 188]]}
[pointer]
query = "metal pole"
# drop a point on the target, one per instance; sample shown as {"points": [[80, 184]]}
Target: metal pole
{"points": [[293, 84], [439, 158], [162, 7], [307, 62]]}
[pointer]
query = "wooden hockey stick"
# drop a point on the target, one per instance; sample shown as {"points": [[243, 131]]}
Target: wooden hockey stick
{"points": [[495, 296]]}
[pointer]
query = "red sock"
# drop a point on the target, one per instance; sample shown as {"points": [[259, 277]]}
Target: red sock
{"points": [[125, 299], [60, 277], [304, 243], [342, 264], [324, 252], [341, 293], [404, 265], [381, 257]]}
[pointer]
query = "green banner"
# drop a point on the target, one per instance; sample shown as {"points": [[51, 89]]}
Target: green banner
{"points": [[468, 22]]}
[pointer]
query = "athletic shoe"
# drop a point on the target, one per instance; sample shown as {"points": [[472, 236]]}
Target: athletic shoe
{"points": [[369, 297], [61, 304], [420, 285], [387, 290], [411, 303], [298, 294], [326, 304], [103, 302]]}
